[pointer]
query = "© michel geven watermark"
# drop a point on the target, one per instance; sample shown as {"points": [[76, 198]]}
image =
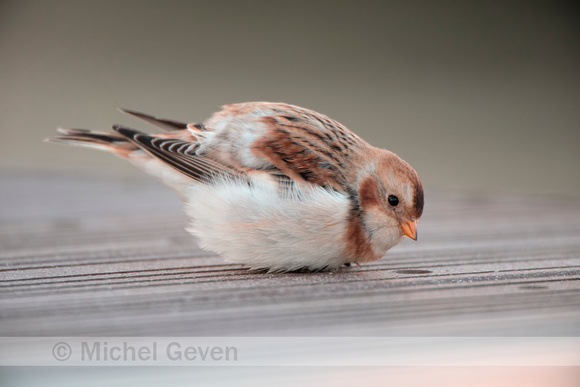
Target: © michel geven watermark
{"points": [[107, 352], [289, 351]]}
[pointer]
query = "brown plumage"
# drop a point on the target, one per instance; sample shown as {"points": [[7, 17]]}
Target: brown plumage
{"points": [[296, 152]]}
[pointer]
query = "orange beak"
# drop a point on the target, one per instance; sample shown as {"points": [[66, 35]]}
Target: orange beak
{"points": [[410, 229]]}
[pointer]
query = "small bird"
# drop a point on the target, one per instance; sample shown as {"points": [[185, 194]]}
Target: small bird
{"points": [[274, 186]]}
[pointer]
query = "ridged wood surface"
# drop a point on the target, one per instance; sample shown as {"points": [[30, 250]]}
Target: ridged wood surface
{"points": [[107, 256]]}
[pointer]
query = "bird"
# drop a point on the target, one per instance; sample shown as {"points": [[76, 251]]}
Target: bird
{"points": [[273, 186]]}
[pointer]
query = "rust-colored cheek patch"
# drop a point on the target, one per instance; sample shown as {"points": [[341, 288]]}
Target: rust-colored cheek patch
{"points": [[369, 193]]}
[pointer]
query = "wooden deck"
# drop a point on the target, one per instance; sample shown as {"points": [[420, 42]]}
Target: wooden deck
{"points": [[110, 257]]}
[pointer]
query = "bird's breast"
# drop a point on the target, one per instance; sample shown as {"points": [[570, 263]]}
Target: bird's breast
{"points": [[259, 226]]}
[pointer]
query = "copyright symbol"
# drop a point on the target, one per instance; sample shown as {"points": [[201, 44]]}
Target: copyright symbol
{"points": [[61, 351]]}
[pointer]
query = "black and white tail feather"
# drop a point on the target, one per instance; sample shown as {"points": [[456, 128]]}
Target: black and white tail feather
{"points": [[130, 143]]}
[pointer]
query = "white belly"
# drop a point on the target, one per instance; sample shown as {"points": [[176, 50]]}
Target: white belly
{"points": [[256, 226]]}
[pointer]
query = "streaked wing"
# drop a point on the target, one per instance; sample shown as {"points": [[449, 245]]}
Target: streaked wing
{"points": [[176, 129], [302, 144], [180, 155]]}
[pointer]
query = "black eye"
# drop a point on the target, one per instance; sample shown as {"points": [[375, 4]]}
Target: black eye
{"points": [[393, 200]]}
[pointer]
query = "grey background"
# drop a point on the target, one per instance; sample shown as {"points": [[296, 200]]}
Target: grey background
{"points": [[477, 96]]}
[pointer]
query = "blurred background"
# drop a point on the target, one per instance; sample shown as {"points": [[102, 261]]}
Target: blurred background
{"points": [[477, 96]]}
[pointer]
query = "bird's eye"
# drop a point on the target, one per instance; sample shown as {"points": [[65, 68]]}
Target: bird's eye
{"points": [[393, 200]]}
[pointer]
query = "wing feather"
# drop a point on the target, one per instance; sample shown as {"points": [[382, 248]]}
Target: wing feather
{"points": [[162, 123], [180, 155], [302, 144]]}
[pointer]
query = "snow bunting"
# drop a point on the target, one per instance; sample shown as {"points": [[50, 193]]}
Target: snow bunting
{"points": [[275, 186]]}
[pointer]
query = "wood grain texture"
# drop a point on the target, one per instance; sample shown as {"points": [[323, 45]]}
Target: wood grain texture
{"points": [[103, 256]]}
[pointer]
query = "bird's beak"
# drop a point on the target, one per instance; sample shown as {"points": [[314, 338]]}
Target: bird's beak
{"points": [[410, 229]]}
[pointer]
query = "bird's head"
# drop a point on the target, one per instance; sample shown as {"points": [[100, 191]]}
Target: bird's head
{"points": [[391, 200]]}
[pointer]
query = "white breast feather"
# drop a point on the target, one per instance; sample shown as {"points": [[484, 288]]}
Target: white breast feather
{"points": [[256, 226]]}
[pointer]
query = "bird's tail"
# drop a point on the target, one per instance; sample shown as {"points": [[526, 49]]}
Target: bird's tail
{"points": [[110, 142], [122, 145]]}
